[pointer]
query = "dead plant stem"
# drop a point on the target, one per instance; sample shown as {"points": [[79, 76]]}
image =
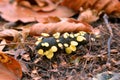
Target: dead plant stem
{"points": [[105, 17], [17, 43]]}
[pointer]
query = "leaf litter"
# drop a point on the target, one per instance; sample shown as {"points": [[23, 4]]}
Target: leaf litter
{"points": [[89, 62]]}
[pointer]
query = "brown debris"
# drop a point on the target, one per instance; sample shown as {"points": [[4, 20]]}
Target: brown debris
{"points": [[13, 11]]}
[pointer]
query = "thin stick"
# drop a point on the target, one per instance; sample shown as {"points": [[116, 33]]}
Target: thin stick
{"points": [[105, 17], [17, 43]]}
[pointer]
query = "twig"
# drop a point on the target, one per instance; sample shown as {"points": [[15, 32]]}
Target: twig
{"points": [[17, 43], [105, 17]]}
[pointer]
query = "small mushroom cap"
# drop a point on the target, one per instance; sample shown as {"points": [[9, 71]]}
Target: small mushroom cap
{"points": [[49, 54], [60, 45], [45, 34], [80, 38], [65, 44], [41, 52], [54, 49], [73, 48], [66, 35], [68, 50], [75, 43], [56, 35], [46, 44]]}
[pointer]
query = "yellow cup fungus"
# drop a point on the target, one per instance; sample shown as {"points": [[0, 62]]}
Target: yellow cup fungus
{"points": [[69, 42]]}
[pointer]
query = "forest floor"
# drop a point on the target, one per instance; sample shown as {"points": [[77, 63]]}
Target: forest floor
{"points": [[89, 62]]}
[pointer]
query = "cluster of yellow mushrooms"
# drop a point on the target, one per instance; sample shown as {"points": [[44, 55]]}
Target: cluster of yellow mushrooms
{"points": [[47, 45]]}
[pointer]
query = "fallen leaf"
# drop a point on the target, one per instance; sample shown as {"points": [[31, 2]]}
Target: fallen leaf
{"points": [[14, 12], [50, 19], [110, 7], [5, 74], [10, 35], [88, 16], [38, 5], [10, 69], [2, 46], [64, 25], [75, 5], [23, 31]]}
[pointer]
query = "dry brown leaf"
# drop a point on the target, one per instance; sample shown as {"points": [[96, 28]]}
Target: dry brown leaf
{"points": [[10, 69], [14, 12], [88, 16], [111, 7], [50, 19], [2, 46], [5, 74], [38, 5], [75, 5], [64, 25], [10, 35], [23, 31]]}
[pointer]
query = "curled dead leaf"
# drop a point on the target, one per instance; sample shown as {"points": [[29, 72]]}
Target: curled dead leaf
{"points": [[10, 35], [109, 7], [5, 74], [38, 5], [2, 46], [50, 19], [14, 12], [10, 69], [63, 25], [88, 16]]}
